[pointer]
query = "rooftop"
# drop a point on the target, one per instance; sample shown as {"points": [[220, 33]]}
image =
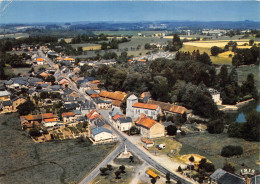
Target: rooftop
{"points": [[145, 106]]}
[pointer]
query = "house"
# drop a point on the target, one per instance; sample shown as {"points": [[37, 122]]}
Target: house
{"points": [[18, 101], [100, 134], [39, 61], [71, 60], [149, 128], [33, 120], [135, 109], [102, 104], [223, 177], [147, 143], [49, 122], [215, 95], [124, 123], [117, 95], [113, 112], [6, 106], [68, 116], [168, 108], [4, 95]]}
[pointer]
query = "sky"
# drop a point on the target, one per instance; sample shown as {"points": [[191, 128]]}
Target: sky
{"points": [[127, 11]]}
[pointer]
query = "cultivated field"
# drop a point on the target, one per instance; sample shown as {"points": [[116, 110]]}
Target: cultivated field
{"points": [[87, 46], [23, 161], [219, 43], [16, 35], [243, 71], [210, 145]]}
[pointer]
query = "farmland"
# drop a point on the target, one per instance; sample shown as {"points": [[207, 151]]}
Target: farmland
{"points": [[87, 46], [52, 162], [210, 145]]}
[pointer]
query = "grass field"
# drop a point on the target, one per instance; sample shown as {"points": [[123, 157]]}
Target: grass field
{"points": [[23, 161], [16, 35], [15, 71], [210, 145], [87, 46]]}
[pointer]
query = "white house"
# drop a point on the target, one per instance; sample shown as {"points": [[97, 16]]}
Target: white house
{"points": [[215, 95], [68, 117], [50, 122], [124, 123], [113, 112], [135, 109], [101, 134]]}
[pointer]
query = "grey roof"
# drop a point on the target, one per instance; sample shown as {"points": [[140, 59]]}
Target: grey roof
{"points": [[89, 78], [229, 178], [125, 120], [168, 123], [115, 111], [68, 91], [99, 130], [7, 103], [44, 85], [17, 97], [98, 122], [9, 82], [71, 106], [77, 112], [5, 93], [91, 92], [217, 174], [145, 99]]}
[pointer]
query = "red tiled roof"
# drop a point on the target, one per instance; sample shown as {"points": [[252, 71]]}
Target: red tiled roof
{"points": [[116, 103], [145, 121], [118, 95], [68, 114], [91, 113], [145, 106], [117, 116], [50, 120], [169, 107], [39, 116], [94, 95]]}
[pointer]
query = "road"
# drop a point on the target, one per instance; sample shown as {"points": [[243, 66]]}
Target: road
{"points": [[122, 137], [89, 177], [143, 155]]}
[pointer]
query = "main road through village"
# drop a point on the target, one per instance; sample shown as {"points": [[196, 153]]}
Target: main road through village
{"points": [[123, 138]]}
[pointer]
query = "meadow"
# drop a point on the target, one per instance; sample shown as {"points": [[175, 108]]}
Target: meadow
{"points": [[23, 161], [87, 46], [9, 71], [210, 145]]}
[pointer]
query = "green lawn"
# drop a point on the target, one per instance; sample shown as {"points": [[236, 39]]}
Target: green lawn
{"points": [[15, 71], [52, 162], [210, 145]]}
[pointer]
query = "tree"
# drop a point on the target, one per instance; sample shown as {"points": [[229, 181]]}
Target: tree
{"points": [[34, 132], [229, 151], [251, 42], [191, 159], [109, 167], [204, 58], [215, 50], [133, 130], [131, 159], [179, 169], [122, 168], [228, 167], [171, 130], [202, 162], [216, 126], [168, 178], [103, 171], [153, 180], [209, 167], [179, 182], [50, 78], [251, 128], [26, 108], [176, 43], [117, 173]]}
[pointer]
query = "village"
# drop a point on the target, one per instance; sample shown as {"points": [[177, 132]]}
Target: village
{"points": [[55, 103]]}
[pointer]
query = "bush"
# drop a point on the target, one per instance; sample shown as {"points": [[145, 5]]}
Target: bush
{"points": [[171, 130], [229, 151], [216, 126], [215, 50]]}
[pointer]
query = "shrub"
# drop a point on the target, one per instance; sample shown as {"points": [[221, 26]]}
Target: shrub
{"points": [[215, 50], [229, 151]]}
